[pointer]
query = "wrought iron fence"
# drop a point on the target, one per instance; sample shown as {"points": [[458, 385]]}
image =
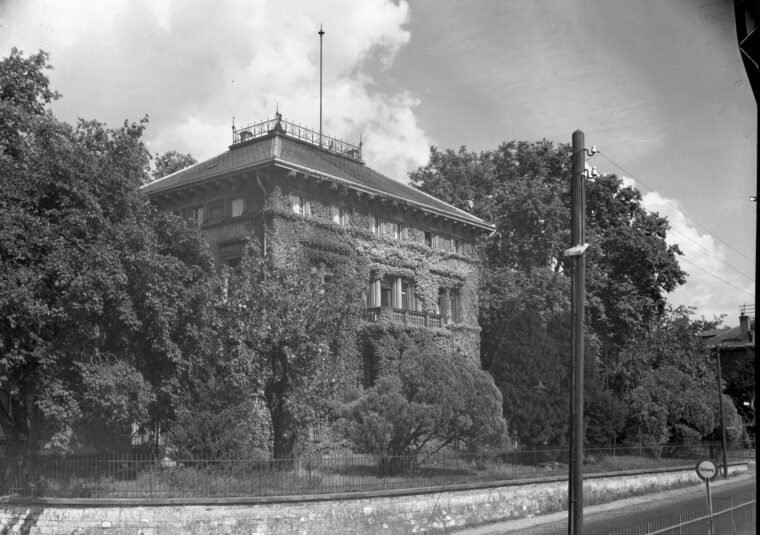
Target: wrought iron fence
{"points": [[137, 475], [735, 517]]}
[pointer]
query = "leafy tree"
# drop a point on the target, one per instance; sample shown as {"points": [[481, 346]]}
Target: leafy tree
{"points": [[287, 335], [102, 299], [523, 188], [24, 92], [525, 350], [668, 380], [435, 400], [738, 369], [170, 162]]}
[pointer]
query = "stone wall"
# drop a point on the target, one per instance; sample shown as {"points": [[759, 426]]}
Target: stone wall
{"points": [[436, 511]]}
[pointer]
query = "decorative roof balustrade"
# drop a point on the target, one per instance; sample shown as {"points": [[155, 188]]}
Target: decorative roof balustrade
{"points": [[280, 126]]}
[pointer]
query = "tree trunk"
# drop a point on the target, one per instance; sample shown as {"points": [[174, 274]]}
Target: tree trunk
{"points": [[16, 429], [283, 424]]}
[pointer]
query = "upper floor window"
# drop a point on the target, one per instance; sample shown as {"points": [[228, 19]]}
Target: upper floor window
{"points": [[444, 242], [393, 229], [455, 305], [388, 228], [320, 275], [197, 214], [339, 215], [237, 207], [216, 210], [299, 205], [393, 292], [449, 304]]}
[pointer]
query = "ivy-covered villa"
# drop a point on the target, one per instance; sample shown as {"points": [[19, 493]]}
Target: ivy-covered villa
{"points": [[293, 192]]}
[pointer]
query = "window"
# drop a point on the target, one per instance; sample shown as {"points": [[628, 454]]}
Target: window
{"points": [[398, 231], [386, 293], [197, 214], [339, 215], [299, 205], [429, 239], [393, 229], [319, 276], [457, 246], [216, 210], [449, 304], [388, 228], [408, 300], [440, 306], [237, 207], [455, 305]]}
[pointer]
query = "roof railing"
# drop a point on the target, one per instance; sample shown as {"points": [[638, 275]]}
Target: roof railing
{"points": [[280, 126]]}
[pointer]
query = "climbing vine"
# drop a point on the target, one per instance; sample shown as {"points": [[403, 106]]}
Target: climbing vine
{"points": [[316, 238]]}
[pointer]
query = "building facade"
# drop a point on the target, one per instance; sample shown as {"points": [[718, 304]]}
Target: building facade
{"points": [[299, 196]]}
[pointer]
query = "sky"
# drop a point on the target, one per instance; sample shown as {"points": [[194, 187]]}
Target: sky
{"points": [[658, 87]]}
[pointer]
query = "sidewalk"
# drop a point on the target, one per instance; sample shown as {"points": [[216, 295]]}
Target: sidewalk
{"points": [[523, 524]]}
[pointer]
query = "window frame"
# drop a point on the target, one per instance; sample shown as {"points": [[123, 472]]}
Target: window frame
{"points": [[239, 203], [339, 215]]}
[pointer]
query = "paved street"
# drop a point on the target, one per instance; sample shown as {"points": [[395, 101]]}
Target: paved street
{"points": [[607, 518]]}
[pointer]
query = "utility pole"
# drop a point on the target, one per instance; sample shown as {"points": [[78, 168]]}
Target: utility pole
{"points": [[722, 415], [577, 250], [321, 33]]}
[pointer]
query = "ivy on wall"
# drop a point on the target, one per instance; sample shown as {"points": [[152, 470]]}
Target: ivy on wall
{"points": [[294, 239]]}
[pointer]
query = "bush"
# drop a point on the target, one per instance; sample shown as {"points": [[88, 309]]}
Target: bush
{"points": [[435, 400], [239, 432]]}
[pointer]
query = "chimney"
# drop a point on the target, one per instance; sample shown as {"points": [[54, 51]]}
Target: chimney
{"points": [[744, 328]]}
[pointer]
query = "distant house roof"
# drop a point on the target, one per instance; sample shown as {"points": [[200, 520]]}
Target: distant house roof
{"points": [[282, 149], [731, 337]]}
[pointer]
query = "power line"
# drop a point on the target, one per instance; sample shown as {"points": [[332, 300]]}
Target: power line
{"points": [[719, 278], [709, 253], [637, 179]]}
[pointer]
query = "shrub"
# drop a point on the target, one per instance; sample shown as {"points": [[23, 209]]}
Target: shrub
{"points": [[435, 400]]}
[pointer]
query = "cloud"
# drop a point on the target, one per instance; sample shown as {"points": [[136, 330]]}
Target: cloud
{"points": [[193, 65], [715, 284]]}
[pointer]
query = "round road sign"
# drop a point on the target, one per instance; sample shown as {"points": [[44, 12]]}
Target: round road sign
{"points": [[706, 469]]}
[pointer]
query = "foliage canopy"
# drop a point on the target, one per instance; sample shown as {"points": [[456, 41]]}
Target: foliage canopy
{"points": [[101, 296]]}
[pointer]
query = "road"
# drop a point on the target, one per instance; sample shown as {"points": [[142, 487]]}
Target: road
{"points": [[622, 514]]}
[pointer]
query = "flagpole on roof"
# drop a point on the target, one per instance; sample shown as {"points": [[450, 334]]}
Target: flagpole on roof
{"points": [[321, 33]]}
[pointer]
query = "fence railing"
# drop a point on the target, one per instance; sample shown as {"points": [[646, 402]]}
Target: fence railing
{"points": [[144, 476], [736, 517], [400, 315], [313, 137]]}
